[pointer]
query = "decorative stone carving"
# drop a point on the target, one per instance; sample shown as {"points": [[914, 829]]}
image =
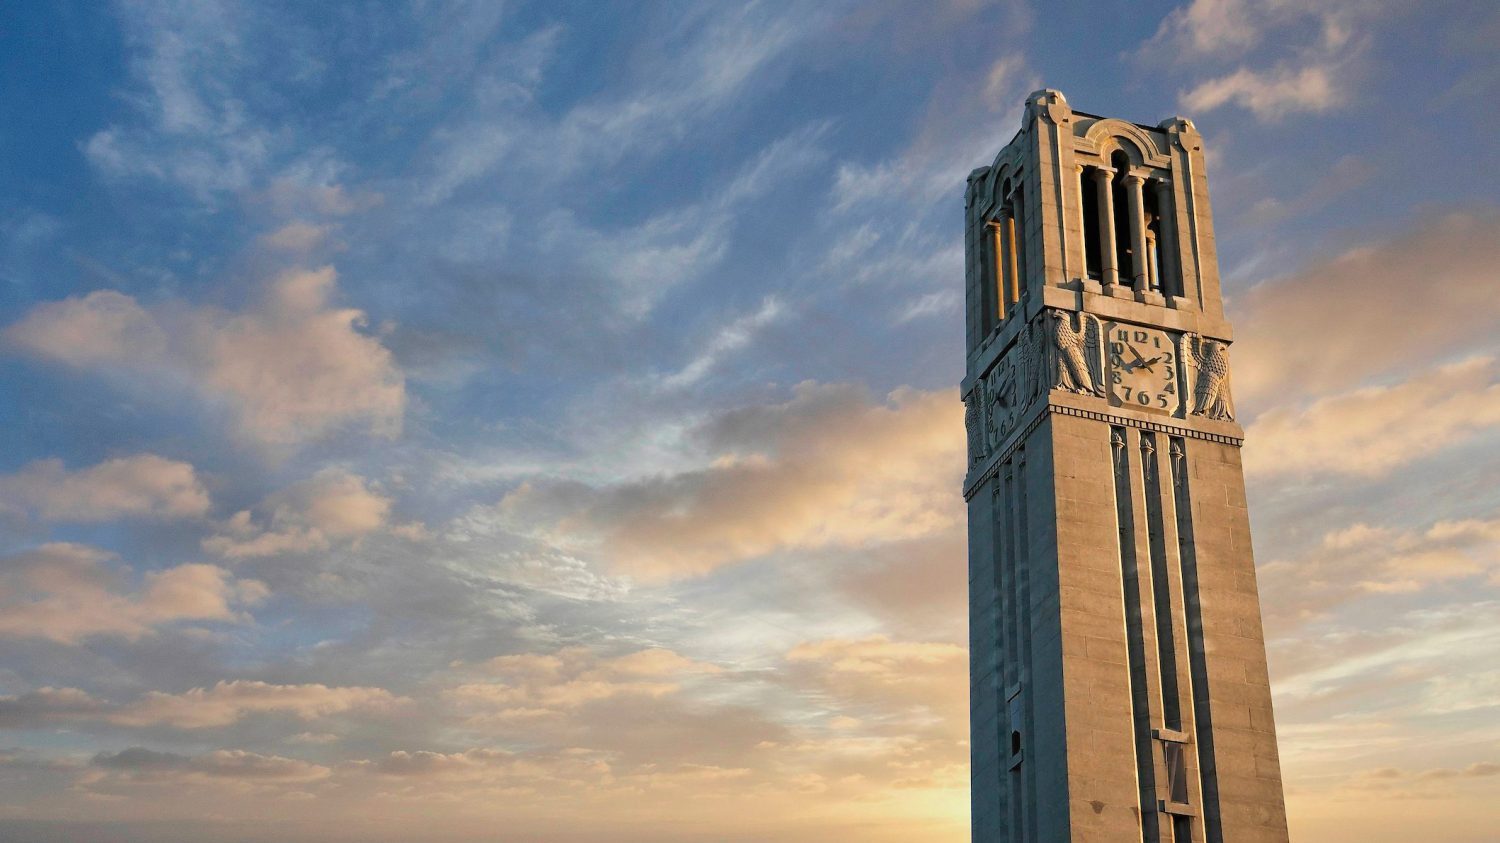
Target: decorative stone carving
{"points": [[1211, 386], [998, 401], [1077, 365], [976, 423], [1031, 360], [1002, 400]]}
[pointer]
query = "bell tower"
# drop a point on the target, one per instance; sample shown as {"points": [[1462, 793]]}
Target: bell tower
{"points": [[1118, 670]]}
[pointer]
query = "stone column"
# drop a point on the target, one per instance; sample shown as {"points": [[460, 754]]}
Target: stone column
{"points": [[1102, 184], [1012, 266], [1166, 243], [1137, 214], [1000, 247], [1153, 269]]}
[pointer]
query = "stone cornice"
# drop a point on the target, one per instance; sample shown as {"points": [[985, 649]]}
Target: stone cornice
{"points": [[982, 472]]}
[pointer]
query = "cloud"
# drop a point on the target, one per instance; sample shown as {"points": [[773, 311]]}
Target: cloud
{"points": [[331, 506], [291, 369], [730, 338], [145, 485], [1389, 307], [1367, 561], [643, 262], [1227, 29], [830, 467], [1368, 432], [298, 368], [102, 328], [1270, 94], [141, 763], [63, 592], [697, 66], [223, 704], [504, 140], [229, 702], [191, 128], [1213, 26], [297, 237], [532, 686], [1309, 53], [494, 766], [877, 671]]}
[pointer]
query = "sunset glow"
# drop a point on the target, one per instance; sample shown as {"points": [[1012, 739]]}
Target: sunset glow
{"points": [[539, 421]]}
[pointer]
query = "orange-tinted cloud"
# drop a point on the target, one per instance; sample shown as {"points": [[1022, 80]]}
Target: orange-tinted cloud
{"points": [[222, 704], [292, 368], [144, 485], [65, 593], [331, 506], [1373, 430], [830, 467], [1396, 306]]}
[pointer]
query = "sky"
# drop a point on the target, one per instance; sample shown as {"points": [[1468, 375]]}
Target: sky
{"points": [[538, 421]]}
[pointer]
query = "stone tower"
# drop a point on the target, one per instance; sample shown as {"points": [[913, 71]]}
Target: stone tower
{"points": [[1118, 671]]}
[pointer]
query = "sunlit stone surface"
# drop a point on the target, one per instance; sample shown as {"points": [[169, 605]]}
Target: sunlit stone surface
{"points": [[1118, 671]]}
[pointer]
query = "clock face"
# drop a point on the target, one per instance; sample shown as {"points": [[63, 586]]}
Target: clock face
{"points": [[1142, 369]]}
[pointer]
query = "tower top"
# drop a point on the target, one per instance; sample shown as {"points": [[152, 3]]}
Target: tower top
{"points": [[1085, 212]]}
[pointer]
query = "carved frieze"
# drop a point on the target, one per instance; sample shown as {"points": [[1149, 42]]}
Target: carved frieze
{"points": [[1134, 367]]}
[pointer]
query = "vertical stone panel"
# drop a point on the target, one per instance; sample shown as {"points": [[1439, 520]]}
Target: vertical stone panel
{"points": [[1102, 796], [1246, 762], [986, 799]]}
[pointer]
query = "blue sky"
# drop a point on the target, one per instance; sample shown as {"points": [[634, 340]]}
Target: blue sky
{"points": [[547, 412]]}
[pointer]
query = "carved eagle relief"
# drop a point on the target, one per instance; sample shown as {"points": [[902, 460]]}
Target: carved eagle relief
{"points": [[1077, 365], [1211, 386], [973, 425]]}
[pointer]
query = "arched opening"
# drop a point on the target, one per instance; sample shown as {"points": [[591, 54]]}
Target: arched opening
{"points": [[1124, 254], [1089, 209]]}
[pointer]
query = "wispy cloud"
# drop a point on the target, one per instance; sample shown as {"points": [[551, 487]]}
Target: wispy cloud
{"points": [[1336, 323], [1286, 58], [199, 708], [792, 475], [1370, 431]]}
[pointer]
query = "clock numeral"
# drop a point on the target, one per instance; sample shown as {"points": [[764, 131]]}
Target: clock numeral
{"points": [[1127, 392], [1161, 400], [1143, 398]]}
